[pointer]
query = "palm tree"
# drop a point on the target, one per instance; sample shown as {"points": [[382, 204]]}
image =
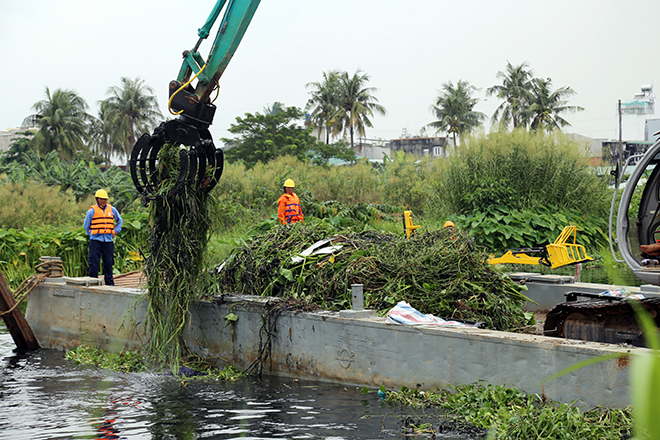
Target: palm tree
{"points": [[546, 106], [515, 91], [454, 110], [356, 105], [101, 132], [62, 119], [274, 109], [324, 102], [131, 108]]}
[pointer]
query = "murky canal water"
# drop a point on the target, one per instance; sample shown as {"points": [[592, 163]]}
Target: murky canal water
{"points": [[43, 396]]}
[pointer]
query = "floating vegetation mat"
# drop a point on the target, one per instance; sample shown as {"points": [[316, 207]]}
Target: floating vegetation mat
{"points": [[438, 272], [179, 234]]}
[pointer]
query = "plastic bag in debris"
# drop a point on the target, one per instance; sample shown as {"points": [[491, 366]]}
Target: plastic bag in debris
{"points": [[317, 249], [622, 292], [403, 313]]}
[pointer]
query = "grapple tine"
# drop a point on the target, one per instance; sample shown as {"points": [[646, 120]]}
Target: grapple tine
{"points": [[212, 181], [152, 184], [200, 166], [133, 162]]}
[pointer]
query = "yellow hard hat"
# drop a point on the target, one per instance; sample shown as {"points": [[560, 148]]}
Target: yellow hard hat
{"points": [[449, 224], [101, 194], [288, 183]]}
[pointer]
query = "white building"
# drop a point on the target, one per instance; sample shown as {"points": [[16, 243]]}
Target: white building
{"points": [[8, 136], [638, 116]]}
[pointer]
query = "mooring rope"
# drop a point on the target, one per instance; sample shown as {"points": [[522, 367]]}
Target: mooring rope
{"points": [[47, 268]]}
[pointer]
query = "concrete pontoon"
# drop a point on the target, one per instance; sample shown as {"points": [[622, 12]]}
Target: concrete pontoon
{"points": [[349, 347]]}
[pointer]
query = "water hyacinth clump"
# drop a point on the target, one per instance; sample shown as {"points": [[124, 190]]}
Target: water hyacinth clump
{"points": [[179, 234], [438, 272]]}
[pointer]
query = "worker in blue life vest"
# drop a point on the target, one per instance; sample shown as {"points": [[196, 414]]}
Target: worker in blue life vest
{"points": [[288, 205], [102, 223]]}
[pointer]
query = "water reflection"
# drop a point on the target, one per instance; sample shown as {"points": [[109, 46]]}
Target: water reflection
{"points": [[43, 396]]}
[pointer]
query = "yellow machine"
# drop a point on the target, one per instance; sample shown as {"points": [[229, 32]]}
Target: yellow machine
{"points": [[560, 253], [409, 229]]}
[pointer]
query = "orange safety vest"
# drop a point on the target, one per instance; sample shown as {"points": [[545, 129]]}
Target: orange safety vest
{"points": [[289, 209], [103, 222]]}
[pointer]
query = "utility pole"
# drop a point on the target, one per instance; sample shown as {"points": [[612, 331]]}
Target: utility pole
{"points": [[620, 146]]}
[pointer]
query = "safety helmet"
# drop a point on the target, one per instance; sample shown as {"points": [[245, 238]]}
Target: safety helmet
{"points": [[101, 194], [288, 183], [449, 224]]}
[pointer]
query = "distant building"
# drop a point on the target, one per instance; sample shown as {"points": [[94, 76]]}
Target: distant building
{"points": [[593, 148], [375, 151], [652, 127], [636, 115], [422, 146], [8, 136]]}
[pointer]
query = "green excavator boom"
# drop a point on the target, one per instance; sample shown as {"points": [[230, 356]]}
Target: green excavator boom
{"points": [[201, 163]]}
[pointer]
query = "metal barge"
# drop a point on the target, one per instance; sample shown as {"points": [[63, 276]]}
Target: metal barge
{"points": [[353, 347]]}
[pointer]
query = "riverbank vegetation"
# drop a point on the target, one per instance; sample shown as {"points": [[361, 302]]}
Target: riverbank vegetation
{"points": [[506, 190]]}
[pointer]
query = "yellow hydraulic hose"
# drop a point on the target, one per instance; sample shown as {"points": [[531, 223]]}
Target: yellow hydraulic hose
{"points": [[169, 103], [217, 92]]}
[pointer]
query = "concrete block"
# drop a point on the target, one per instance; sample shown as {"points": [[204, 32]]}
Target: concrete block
{"points": [[357, 314], [83, 281]]}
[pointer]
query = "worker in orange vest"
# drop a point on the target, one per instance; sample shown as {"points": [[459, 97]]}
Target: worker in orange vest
{"points": [[288, 205], [102, 224]]}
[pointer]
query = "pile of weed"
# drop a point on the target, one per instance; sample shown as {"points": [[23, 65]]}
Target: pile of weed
{"points": [[179, 234], [437, 272]]}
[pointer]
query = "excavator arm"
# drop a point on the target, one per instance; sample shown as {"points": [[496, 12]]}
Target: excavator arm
{"points": [[200, 162]]}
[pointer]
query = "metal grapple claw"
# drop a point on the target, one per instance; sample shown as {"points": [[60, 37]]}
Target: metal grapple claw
{"points": [[200, 163]]}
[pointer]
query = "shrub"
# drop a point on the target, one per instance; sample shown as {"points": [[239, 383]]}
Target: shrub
{"points": [[29, 204], [521, 189], [522, 170]]}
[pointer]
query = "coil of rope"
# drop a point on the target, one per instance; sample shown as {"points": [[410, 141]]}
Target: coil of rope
{"points": [[49, 267]]}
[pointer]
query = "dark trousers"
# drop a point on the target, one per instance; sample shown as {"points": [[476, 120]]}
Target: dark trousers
{"points": [[106, 250]]}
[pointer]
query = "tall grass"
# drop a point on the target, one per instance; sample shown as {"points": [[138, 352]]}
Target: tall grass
{"points": [[522, 170], [29, 203]]}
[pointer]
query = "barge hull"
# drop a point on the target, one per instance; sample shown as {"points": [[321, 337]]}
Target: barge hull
{"points": [[336, 347]]}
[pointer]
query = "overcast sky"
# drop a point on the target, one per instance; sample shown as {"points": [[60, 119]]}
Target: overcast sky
{"points": [[604, 50]]}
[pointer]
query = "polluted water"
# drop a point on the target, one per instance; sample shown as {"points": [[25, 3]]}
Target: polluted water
{"points": [[44, 396]]}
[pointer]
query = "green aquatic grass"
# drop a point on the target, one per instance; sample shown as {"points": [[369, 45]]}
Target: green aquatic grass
{"points": [[179, 232], [511, 414], [126, 361], [130, 361]]}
